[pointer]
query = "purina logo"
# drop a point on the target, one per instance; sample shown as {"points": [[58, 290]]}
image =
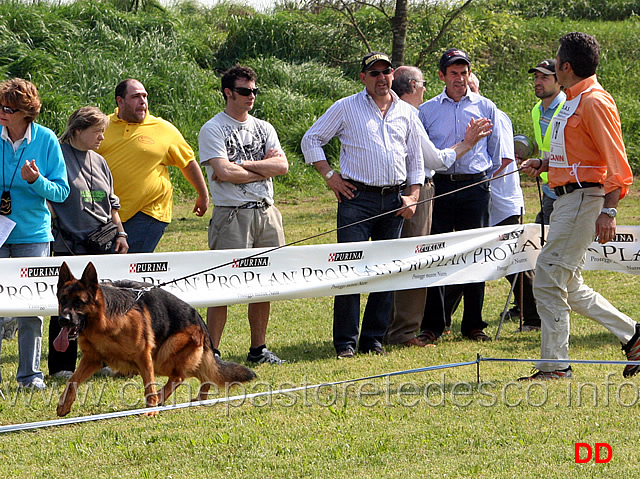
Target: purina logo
{"points": [[511, 235], [40, 272], [346, 256], [162, 266], [425, 248], [251, 262], [623, 238]]}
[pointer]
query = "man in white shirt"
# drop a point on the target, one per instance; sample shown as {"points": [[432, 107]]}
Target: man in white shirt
{"points": [[379, 157]]}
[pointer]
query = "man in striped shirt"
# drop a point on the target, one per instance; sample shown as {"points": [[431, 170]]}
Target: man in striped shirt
{"points": [[380, 155]]}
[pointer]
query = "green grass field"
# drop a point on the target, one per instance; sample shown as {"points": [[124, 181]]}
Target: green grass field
{"points": [[429, 424]]}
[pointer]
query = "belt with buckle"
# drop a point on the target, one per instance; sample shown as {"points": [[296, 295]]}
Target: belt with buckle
{"points": [[381, 190], [251, 205], [570, 187], [462, 177]]}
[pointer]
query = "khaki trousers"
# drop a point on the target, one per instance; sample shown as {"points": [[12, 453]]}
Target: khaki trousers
{"points": [[558, 284], [408, 304]]}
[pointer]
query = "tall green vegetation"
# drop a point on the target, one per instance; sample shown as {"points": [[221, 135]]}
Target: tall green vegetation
{"points": [[305, 58]]}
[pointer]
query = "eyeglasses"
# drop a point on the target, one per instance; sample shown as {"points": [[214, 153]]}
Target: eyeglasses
{"points": [[246, 91], [421, 82], [8, 110], [375, 73]]}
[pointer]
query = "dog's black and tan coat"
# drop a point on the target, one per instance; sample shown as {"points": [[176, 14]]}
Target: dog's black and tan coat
{"points": [[153, 334]]}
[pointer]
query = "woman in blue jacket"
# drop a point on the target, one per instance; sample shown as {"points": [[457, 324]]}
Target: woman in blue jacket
{"points": [[32, 172]]}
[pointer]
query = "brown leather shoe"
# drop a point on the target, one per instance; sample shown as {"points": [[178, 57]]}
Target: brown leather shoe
{"points": [[427, 337], [478, 335], [415, 342]]}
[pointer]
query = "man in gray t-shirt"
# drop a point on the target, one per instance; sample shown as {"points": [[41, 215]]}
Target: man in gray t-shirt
{"points": [[241, 155]]}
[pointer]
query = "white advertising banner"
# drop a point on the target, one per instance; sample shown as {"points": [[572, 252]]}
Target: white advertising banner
{"points": [[211, 278]]}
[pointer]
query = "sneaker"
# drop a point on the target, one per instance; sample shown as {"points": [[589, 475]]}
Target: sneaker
{"points": [[63, 374], [10, 328], [632, 350], [107, 372], [35, 383], [265, 356], [526, 328], [548, 375], [513, 313], [346, 353]]}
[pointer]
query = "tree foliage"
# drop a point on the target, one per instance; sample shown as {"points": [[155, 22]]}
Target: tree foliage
{"points": [[76, 53]]}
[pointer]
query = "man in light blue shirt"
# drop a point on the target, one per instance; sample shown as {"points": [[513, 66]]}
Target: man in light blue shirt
{"points": [[408, 304], [445, 118]]}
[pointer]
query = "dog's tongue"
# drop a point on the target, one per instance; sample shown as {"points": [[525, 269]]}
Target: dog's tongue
{"points": [[61, 343]]}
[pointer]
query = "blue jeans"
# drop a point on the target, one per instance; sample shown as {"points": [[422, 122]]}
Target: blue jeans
{"points": [[29, 327], [346, 308], [144, 232]]}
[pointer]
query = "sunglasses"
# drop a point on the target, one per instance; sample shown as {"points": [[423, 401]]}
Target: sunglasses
{"points": [[420, 82], [375, 73], [8, 110], [246, 91]]}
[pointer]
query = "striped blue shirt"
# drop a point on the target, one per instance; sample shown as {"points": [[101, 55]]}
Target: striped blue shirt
{"points": [[375, 150], [446, 122]]}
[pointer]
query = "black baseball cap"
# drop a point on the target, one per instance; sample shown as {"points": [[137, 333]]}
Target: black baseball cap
{"points": [[372, 57], [548, 67], [451, 56]]}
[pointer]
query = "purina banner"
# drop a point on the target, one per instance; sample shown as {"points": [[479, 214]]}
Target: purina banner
{"points": [[211, 278]]}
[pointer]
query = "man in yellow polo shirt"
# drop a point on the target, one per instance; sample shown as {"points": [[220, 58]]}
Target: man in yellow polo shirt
{"points": [[138, 148]]}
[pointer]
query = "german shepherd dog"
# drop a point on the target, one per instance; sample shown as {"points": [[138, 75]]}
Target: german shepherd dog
{"points": [[155, 333]]}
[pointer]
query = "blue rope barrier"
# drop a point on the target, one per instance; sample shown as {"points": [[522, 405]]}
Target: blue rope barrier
{"points": [[564, 361], [210, 402]]}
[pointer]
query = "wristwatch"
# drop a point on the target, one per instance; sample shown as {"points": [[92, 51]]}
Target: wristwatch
{"points": [[239, 162], [610, 212], [122, 234], [329, 174]]}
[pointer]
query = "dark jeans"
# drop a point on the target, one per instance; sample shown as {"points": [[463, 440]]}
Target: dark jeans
{"points": [[524, 299], [462, 210], [144, 232], [346, 309]]}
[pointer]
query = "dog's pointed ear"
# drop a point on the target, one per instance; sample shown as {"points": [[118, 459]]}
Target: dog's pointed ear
{"points": [[90, 276], [64, 274]]}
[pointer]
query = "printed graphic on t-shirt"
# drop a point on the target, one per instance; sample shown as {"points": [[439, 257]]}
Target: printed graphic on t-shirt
{"points": [[247, 145]]}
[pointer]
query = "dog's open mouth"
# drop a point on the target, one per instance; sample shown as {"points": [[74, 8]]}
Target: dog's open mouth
{"points": [[61, 343]]}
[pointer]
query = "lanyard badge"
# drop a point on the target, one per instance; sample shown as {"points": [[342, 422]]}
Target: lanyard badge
{"points": [[5, 203]]}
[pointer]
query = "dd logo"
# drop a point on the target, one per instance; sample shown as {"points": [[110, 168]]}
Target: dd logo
{"points": [[597, 447]]}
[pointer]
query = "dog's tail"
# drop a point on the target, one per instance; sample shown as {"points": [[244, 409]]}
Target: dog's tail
{"points": [[222, 373]]}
